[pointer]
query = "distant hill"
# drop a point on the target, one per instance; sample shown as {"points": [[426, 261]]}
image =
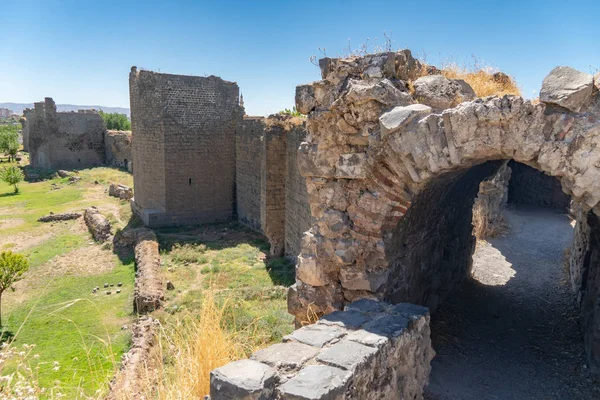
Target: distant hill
{"points": [[19, 107]]}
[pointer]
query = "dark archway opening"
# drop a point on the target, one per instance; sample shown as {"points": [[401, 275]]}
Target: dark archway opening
{"points": [[507, 321]]}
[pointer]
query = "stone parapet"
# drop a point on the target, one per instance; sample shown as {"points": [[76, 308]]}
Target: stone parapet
{"points": [[369, 349]]}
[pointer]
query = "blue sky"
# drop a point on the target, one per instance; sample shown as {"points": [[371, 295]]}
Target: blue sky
{"points": [[80, 52]]}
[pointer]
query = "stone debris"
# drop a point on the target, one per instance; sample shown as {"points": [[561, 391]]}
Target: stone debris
{"points": [[120, 191], [59, 217], [370, 348], [170, 286], [568, 88], [64, 174], [98, 224]]}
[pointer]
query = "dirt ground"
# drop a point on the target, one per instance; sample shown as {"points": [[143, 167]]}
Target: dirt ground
{"points": [[511, 332]]}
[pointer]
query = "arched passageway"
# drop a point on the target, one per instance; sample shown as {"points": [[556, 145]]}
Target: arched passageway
{"points": [[511, 331], [391, 183]]}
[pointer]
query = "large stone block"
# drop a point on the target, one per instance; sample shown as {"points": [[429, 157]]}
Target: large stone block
{"points": [[567, 87], [243, 380]]}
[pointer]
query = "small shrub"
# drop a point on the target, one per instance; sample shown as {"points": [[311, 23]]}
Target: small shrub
{"points": [[293, 112], [12, 268], [12, 175]]}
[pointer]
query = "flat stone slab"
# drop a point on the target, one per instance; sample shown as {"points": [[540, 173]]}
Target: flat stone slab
{"points": [[316, 335], [346, 319], [290, 355], [367, 306], [244, 379], [347, 354], [409, 310], [379, 331], [316, 382]]}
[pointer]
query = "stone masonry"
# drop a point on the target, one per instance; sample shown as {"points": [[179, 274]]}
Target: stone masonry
{"points": [[183, 134], [270, 193], [63, 140], [391, 181], [372, 350]]}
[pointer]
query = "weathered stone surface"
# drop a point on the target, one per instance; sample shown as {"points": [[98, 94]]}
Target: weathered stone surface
{"points": [[347, 355], [122, 192], [399, 117], [305, 99], [315, 382], [244, 380], [567, 87], [59, 217], [316, 335], [389, 357], [98, 224], [345, 319], [286, 356], [440, 92]]}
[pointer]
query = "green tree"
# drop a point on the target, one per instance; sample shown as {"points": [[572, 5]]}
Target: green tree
{"points": [[9, 140], [12, 175], [12, 268], [116, 121]]}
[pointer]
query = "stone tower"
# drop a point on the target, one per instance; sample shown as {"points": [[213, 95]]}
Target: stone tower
{"points": [[183, 135]]}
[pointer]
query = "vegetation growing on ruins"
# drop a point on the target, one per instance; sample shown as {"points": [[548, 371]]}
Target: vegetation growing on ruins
{"points": [[229, 301], [293, 112], [116, 121]]}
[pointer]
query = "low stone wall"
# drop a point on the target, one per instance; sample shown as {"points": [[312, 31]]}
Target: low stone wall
{"points": [[149, 292], [370, 350], [490, 202], [135, 364], [98, 225]]}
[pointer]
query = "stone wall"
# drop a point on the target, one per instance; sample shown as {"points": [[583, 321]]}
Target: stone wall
{"points": [[118, 149], [370, 350], [297, 210], [490, 202], [533, 187], [248, 176], [270, 192], [378, 163], [64, 140], [183, 133]]}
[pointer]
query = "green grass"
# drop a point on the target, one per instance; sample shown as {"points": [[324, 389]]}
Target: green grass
{"points": [[66, 322], [78, 329], [236, 267]]}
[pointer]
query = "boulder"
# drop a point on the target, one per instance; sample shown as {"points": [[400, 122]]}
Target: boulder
{"points": [[441, 93], [567, 87], [63, 174], [305, 98], [120, 191]]}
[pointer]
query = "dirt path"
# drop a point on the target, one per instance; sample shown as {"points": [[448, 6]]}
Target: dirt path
{"points": [[511, 332]]}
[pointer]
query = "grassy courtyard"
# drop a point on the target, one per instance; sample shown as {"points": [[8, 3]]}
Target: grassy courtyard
{"points": [[76, 334], [79, 336]]}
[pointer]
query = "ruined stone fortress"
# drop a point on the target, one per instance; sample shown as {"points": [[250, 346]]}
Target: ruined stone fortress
{"points": [[198, 159], [72, 140], [373, 193]]}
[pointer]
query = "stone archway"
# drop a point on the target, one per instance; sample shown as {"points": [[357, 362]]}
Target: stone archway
{"points": [[391, 182]]}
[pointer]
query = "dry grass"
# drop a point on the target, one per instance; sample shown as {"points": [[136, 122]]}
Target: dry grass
{"points": [[483, 227], [484, 81], [190, 347]]}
